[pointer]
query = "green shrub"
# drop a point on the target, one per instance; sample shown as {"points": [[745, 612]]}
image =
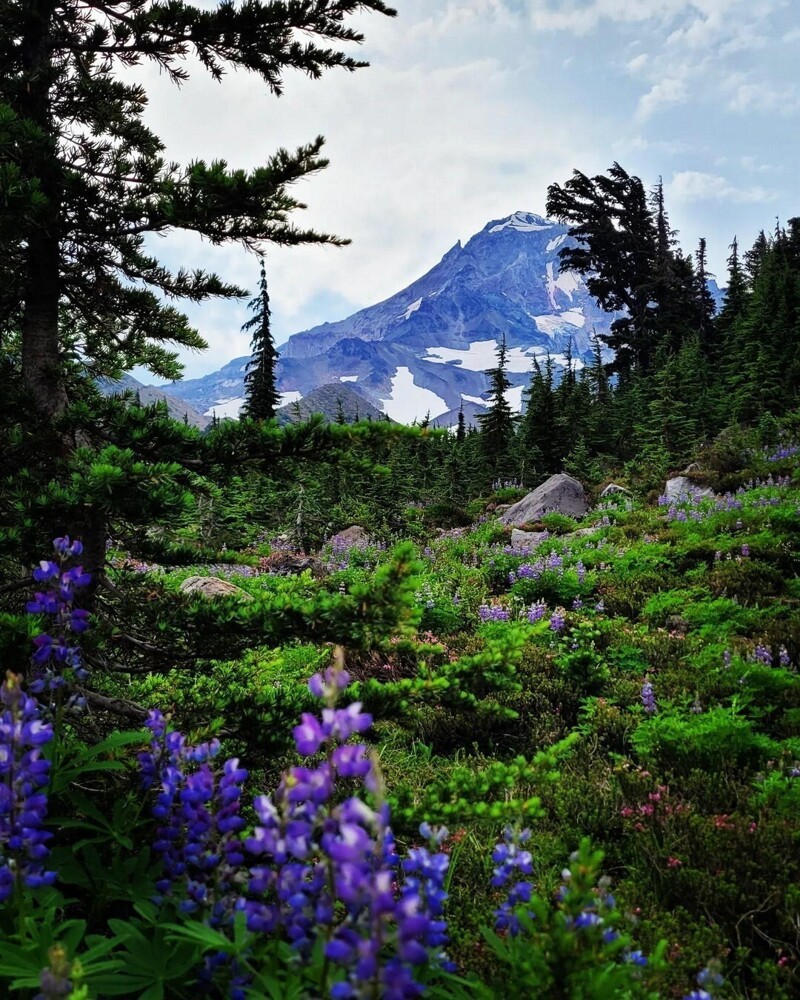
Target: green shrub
{"points": [[719, 739]]}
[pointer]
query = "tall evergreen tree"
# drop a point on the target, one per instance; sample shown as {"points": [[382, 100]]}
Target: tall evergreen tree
{"points": [[84, 182], [735, 294], [616, 254], [706, 307], [538, 431], [461, 430], [755, 255], [497, 424], [261, 396]]}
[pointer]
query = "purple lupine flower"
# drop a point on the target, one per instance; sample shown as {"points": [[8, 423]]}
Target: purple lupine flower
{"points": [[329, 684], [558, 620], [23, 775], [762, 654], [783, 657], [54, 653], [512, 861], [493, 613], [536, 611], [648, 698], [745, 550]]}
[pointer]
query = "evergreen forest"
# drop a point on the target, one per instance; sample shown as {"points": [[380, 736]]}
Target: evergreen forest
{"points": [[297, 709]]}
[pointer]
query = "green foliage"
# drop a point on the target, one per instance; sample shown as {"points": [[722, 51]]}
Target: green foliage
{"points": [[717, 740], [581, 660], [551, 956]]}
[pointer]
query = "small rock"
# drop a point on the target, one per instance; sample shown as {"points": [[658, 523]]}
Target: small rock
{"points": [[677, 624], [522, 539], [291, 563], [212, 586], [613, 488], [355, 535], [559, 493], [583, 532]]}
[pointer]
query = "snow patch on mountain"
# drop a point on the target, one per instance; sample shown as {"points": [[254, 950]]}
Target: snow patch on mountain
{"points": [[523, 222], [226, 408], [412, 308], [474, 399], [556, 242], [565, 281], [480, 357], [348, 378], [559, 360], [292, 396], [514, 397], [409, 401]]}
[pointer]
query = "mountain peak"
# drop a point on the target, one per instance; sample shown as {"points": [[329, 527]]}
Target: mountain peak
{"points": [[523, 222], [426, 349]]}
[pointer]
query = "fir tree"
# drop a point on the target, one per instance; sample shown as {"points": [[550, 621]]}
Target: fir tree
{"points": [[461, 431], [705, 305], [262, 398], [735, 294], [84, 181], [616, 254], [497, 424], [755, 255], [538, 432]]}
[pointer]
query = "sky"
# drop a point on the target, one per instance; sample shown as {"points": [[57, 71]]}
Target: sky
{"points": [[468, 111]]}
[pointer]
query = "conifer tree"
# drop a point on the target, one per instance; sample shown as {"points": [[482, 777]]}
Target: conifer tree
{"points": [[705, 305], [735, 294], [262, 398], [755, 255], [538, 432], [497, 424], [84, 180], [461, 431], [616, 253]]}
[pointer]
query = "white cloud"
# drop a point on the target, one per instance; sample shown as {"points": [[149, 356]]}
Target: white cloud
{"points": [[666, 93], [762, 96], [581, 18], [697, 185], [638, 63]]}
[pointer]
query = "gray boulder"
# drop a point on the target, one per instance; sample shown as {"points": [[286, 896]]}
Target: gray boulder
{"points": [[527, 539], [559, 493], [355, 535], [681, 487], [212, 586]]}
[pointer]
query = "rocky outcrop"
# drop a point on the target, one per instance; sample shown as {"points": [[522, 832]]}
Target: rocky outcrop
{"points": [[559, 493], [682, 488], [212, 586]]}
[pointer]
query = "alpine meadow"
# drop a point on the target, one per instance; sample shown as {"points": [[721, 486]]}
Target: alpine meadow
{"points": [[447, 647]]}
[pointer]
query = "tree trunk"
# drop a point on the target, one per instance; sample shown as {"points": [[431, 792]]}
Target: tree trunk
{"points": [[39, 161], [41, 365]]}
